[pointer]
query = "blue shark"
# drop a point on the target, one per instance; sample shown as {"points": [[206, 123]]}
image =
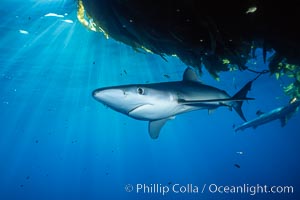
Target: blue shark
{"points": [[159, 102], [282, 113]]}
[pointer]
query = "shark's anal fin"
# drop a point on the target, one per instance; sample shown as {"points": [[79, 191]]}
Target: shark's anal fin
{"points": [[259, 113], [154, 127], [211, 111], [283, 121]]}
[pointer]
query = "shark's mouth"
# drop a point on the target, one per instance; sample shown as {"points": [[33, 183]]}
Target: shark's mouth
{"points": [[137, 108]]}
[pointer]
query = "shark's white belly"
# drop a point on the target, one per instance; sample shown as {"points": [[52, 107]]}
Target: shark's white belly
{"points": [[155, 112], [160, 111]]}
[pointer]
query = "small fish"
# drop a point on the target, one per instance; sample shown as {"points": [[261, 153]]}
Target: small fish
{"points": [[258, 113], [240, 152], [237, 166], [167, 76], [234, 83], [53, 15], [68, 21], [251, 9], [125, 71], [24, 32]]}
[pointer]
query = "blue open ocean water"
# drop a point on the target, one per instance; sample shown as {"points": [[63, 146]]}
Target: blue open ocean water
{"points": [[57, 142]]}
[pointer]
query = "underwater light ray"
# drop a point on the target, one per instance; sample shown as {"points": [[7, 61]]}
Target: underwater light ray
{"points": [[22, 67], [36, 37], [22, 57]]}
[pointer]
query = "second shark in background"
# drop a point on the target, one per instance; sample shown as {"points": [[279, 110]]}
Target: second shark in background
{"points": [[281, 113]]}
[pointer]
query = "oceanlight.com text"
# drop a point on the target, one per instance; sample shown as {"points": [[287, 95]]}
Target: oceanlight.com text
{"points": [[164, 189], [249, 189]]}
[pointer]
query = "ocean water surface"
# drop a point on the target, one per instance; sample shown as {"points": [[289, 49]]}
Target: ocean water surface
{"points": [[57, 142]]}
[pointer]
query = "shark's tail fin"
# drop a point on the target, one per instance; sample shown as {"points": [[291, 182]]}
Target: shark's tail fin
{"points": [[242, 94]]}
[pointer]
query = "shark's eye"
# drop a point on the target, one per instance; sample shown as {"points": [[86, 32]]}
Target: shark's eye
{"points": [[140, 91]]}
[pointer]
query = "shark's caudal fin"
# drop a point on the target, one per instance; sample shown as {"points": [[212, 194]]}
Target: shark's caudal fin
{"points": [[242, 94]]}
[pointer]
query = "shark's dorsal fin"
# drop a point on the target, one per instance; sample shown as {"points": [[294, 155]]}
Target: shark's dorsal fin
{"points": [[155, 127], [190, 75]]}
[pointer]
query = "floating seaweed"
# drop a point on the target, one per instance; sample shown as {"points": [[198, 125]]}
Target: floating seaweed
{"points": [[218, 35]]}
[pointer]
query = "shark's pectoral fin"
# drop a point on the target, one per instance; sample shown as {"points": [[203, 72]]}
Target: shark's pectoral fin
{"points": [[283, 121], [155, 127]]}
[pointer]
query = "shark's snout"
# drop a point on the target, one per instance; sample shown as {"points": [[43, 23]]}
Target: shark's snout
{"points": [[94, 93], [107, 95], [97, 94], [117, 98]]}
